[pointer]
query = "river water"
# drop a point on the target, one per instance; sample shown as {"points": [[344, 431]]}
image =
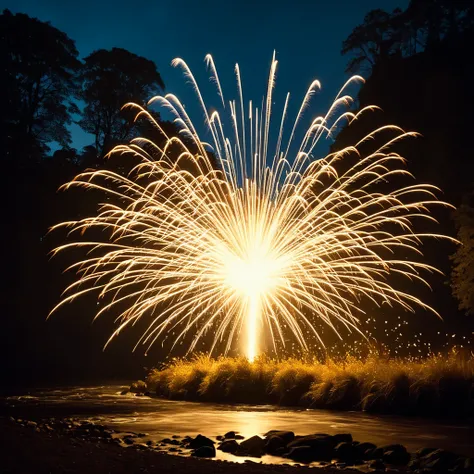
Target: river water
{"points": [[163, 418]]}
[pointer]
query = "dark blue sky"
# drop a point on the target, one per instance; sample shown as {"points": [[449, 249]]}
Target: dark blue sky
{"points": [[306, 34]]}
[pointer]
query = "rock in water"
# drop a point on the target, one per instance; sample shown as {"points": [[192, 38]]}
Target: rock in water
{"points": [[365, 450], [205, 452], [304, 454], [439, 460], [199, 441], [253, 446], [229, 446], [321, 448], [424, 451], [346, 452], [273, 444], [312, 440], [286, 436], [396, 454], [322, 444], [342, 438], [377, 464]]}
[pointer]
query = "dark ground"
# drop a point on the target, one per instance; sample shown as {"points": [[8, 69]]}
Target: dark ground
{"points": [[23, 450]]}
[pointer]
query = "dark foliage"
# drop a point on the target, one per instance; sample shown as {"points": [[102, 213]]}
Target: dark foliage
{"points": [[428, 92], [40, 77], [38, 67], [422, 26], [111, 79]]}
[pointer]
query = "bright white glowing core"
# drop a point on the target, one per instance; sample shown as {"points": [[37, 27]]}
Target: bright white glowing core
{"points": [[252, 278]]}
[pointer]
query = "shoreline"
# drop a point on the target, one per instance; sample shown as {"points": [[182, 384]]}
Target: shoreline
{"points": [[74, 446], [25, 450], [446, 419]]}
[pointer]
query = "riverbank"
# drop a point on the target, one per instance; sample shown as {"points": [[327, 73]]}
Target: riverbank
{"points": [[439, 386], [74, 446], [28, 449]]}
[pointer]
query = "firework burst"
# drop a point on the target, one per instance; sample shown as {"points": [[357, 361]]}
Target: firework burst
{"points": [[245, 235]]}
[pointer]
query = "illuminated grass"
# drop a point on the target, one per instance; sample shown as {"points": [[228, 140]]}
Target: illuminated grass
{"points": [[438, 385]]}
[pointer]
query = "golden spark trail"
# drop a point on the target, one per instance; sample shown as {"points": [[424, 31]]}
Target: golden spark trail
{"points": [[248, 239]]}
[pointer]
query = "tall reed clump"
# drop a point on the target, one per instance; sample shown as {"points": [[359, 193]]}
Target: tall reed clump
{"points": [[440, 385]]}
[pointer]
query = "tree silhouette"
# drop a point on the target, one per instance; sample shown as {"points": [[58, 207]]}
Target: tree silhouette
{"points": [[422, 26], [89, 157], [371, 41], [65, 157], [110, 79], [38, 69]]}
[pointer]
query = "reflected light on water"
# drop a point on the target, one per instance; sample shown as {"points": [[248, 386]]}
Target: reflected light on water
{"points": [[163, 418]]}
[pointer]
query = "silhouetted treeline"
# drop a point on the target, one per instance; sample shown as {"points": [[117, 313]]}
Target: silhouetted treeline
{"points": [[45, 87], [424, 25], [419, 68]]}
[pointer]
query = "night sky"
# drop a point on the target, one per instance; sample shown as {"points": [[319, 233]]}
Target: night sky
{"points": [[307, 36]]}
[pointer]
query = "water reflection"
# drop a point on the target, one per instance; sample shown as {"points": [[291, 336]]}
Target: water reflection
{"points": [[163, 418]]}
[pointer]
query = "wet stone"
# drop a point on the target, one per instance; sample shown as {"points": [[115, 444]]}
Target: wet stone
{"points": [[377, 464], [347, 452], [376, 453], [274, 443], [312, 440], [141, 447], [439, 460], [302, 454], [414, 464], [343, 438], [322, 446], [285, 436], [397, 456], [253, 446], [229, 446], [200, 441], [281, 452], [205, 452]]}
